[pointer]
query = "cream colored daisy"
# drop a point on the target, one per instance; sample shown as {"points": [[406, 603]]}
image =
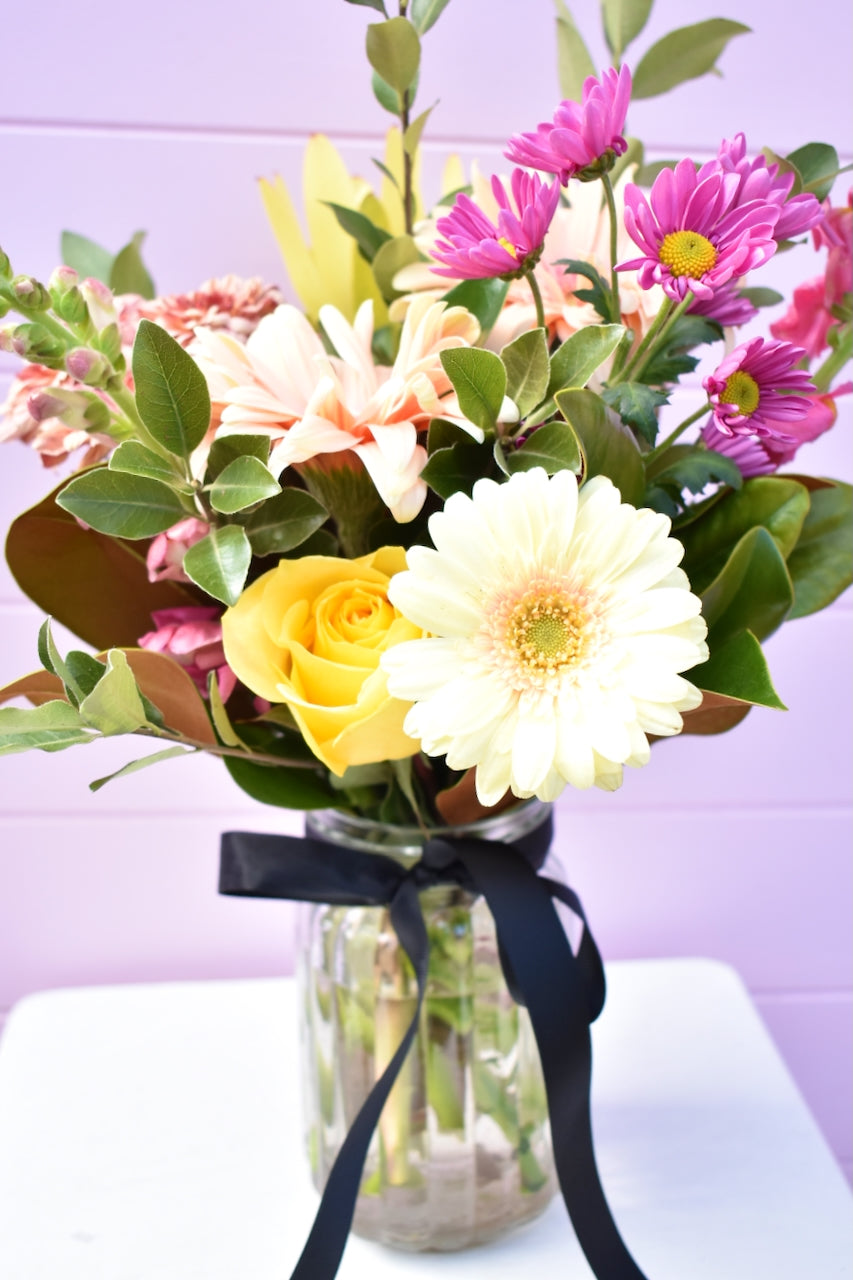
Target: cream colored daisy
{"points": [[559, 622]]}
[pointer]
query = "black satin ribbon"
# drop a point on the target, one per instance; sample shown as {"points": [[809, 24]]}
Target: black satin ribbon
{"points": [[563, 991]]}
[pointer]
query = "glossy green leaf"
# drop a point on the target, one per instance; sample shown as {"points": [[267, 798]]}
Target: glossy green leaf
{"points": [[243, 483], [553, 446], [483, 298], [225, 449], [455, 470], [387, 97], [394, 52], [527, 369], [114, 705], [608, 448], [574, 363], [479, 380], [683, 55], [816, 165], [128, 273], [623, 22], [86, 257], [286, 788], [778, 504], [737, 669], [425, 13], [366, 234], [136, 459], [219, 563], [171, 392], [122, 505], [821, 563], [284, 522], [143, 763], [637, 405], [49, 727], [390, 258], [752, 592], [574, 61]]}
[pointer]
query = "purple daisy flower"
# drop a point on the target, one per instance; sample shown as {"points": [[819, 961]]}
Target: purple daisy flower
{"points": [[750, 390], [693, 239], [760, 181], [474, 248], [584, 138]]}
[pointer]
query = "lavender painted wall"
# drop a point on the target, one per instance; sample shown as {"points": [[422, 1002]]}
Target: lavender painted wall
{"points": [[735, 847]]}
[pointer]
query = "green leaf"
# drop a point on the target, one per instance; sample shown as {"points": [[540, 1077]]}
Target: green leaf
{"points": [[599, 295], [527, 369], [816, 165], [672, 361], [277, 785], [390, 258], [221, 722], [136, 765], [219, 563], [760, 297], [171, 393], [226, 448], [50, 727], [84, 669], [412, 136], [608, 448], [128, 273], [778, 504], [378, 5], [115, 705], [574, 61], [479, 380], [386, 97], [483, 298], [821, 563], [737, 669], [683, 55], [284, 522], [751, 592], [553, 446], [86, 257], [136, 459], [243, 483], [366, 234], [125, 506], [623, 22], [694, 469], [574, 363], [425, 13], [394, 52], [456, 469], [637, 405]]}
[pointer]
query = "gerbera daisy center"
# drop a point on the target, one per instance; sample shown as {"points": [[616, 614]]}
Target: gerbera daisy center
{"points": [[547, 632], [687, 253], [741, 389]]}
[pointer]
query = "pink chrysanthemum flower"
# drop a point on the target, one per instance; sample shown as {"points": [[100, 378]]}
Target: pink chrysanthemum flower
{"points": [[762, 181], [584, 138], [750, 390], [760, 456], [475, 248], [693, 239], [228, 304], [727, 306]]}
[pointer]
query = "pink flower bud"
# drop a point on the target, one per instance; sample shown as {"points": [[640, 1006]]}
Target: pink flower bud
{"points": [[87, 366], [100, 302], [62, 279]]}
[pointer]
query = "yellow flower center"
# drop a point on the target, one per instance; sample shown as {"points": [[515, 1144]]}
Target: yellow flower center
{"points": [[509, 246], [547, 632], [686, 253], [741, 389]]}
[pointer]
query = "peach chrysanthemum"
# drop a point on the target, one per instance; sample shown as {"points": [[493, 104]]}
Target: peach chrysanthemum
{"points": [[228, 303]]}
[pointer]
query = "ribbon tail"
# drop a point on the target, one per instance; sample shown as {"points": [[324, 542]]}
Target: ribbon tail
{"points": [[555, 990], [325, 1245]]}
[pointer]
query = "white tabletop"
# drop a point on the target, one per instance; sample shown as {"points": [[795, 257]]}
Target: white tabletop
{"points": [[153, 1133]]}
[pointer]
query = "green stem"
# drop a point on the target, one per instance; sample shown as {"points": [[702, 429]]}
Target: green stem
{"points": [[835, 361], [615, 304], [651, 335], [408, 195], [254, 757], [674, 435], [537, 298], [654, 340]]}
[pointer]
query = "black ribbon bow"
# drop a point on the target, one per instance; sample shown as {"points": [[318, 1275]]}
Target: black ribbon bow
{"points": [[563, 991]]}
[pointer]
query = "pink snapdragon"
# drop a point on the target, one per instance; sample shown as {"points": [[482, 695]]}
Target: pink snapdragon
{"points": [[192, 635], [475, 248], [166, 552], [584, 138], [750, 391]]}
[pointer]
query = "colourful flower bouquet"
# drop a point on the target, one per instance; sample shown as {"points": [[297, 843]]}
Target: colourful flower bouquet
{"points": [[429, 551]]}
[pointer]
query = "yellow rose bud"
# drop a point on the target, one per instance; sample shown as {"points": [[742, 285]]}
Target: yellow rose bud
{"points": [[310, 633]]}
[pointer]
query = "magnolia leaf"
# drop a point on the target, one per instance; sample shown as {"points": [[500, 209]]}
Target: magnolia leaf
{"points": [[527, 369], [717, 714], [136, 459], [136, 765], [128, 273], [243, 483], [751, 592], [425, 13], [623, 22], [124, 506], [394, 52], [736, 671], [86, 257], [637, 405], [278, 785], [164, 682], [284, 522], [219, 563], [366, 234], [683, 55], [226, 448], [38, 687], [574, 61], [390, 258], [574, 363], [608, 448], [52, 726], [479, 380], [821, 563], [483, 298], [553, 446], [114, 705], [171, 391]]}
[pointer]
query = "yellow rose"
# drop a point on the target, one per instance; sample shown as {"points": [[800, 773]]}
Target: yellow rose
{"points": [[310, 633]]}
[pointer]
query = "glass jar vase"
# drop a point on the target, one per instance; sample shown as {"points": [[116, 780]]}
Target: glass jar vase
{"points": [[462, 1151]]}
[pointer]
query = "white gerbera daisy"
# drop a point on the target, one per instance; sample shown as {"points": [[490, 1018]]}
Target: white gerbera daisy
{"points": [[558, 623]]}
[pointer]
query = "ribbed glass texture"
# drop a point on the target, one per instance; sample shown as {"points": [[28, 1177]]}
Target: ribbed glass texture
{"points": [[462, 1152]]}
